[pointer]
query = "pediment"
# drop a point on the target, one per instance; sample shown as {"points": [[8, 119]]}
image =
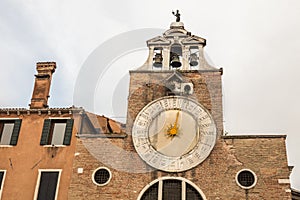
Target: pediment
{"points": [[159, 40], [176, 76], [194, 40]]}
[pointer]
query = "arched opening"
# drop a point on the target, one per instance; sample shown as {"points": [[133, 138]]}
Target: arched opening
{"points": [[158, 58], [194, 57], [171, 188], [176, 56]]}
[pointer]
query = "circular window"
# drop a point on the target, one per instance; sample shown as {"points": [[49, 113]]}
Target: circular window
{"points": [[101, 176], [246, 178]]}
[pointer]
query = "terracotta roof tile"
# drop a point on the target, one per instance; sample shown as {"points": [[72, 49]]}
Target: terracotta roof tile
{"points": [[105, 124]]}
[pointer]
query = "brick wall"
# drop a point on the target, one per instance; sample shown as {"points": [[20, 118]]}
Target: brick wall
{"points": [[264, 155], [147, 86]]}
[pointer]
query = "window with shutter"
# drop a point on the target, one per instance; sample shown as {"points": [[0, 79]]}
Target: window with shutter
{"points": [[57, 132], [9, 131]]}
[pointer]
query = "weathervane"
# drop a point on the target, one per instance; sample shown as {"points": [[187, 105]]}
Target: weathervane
{"points": [[177, 15]]}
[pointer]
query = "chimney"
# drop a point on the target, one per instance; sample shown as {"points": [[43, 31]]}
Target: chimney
{"points": [[42, 84]]}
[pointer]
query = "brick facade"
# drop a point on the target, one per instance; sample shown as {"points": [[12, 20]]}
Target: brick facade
{"points": [[215, 177], [264, 155], [146, 86]]}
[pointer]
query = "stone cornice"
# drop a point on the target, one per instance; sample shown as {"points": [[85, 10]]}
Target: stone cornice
{"points": [[251, 136], [18, 111]]}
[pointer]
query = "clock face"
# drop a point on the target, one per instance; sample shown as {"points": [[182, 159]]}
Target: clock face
{"points": [[174, 133]]}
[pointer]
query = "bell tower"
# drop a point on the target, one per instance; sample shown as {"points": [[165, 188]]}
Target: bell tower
{"points": [[174, 147], [176, 66], [176, 49]]}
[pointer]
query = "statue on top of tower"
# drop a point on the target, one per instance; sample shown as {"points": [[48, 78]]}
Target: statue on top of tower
{"points": [[177, 15]]}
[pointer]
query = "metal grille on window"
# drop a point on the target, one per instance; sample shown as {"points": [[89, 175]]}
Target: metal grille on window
{"points": [[151, 193], [102, 176], [172, 189], [192, 193], [246, 178]]}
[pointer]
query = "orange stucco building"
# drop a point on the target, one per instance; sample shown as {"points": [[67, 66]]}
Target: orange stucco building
{"points": [[37, 145]]}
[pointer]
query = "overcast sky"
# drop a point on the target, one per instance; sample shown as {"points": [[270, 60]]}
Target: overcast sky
{"points": [[256, 42]]}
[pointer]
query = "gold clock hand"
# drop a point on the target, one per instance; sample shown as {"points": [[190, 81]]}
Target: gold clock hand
{"points": [[173, 130], [176, 121]]}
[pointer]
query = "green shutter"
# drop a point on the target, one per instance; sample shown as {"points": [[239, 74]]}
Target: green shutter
{"points": [[15, 133], [68, 132], [45, 132]]}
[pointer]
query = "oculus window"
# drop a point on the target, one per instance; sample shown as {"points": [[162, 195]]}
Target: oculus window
{"points": [[246, 179], [101, 176]]}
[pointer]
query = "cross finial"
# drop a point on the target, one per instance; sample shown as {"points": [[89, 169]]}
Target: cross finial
{"points": [[177, 15]]}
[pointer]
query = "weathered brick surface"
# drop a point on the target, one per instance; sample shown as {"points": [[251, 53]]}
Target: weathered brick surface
{"points": [[147, 86], [266, 156], [215, 176]]}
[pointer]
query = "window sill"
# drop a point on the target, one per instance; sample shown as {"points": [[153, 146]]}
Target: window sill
{"points": [[6, 145], [53, 146]]}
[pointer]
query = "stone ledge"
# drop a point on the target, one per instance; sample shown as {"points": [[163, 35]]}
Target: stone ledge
{"points": [[103, 135], [251, 136], [181, 71]]}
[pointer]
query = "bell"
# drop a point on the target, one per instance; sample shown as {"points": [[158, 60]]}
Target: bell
{"points": [[193, 59], [157, 60], [175, 62]]}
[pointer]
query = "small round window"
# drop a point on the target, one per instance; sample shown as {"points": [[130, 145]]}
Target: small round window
{"points": [[246, 178], [101, 176]]}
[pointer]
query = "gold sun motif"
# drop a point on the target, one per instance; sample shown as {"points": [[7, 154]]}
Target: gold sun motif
{"points": [[173, 129]]}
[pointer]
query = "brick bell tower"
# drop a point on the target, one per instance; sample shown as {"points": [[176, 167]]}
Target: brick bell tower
{"points": [[174, 147], [176, 66], [175, 112]]}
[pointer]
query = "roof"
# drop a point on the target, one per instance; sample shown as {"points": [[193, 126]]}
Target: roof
{"points": [[94, 126], [91, 125]]}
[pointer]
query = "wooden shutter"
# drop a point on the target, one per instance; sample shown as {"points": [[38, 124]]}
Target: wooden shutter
{"points": [[45, 132], [15, 133], [68, 132]]}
